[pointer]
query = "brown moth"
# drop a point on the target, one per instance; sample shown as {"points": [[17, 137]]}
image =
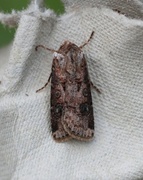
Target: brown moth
{"points": [[71, 101]]}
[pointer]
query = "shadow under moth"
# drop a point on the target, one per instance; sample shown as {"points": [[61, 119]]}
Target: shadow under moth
{"points": [[71, 101]]}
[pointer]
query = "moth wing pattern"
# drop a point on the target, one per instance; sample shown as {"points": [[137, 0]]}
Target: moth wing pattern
{"points": [[57, 107], [71, 100], [77, 115], [78, 119]]}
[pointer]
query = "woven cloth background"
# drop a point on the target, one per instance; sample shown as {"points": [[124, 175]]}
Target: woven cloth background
{"points": [[115, 63]]}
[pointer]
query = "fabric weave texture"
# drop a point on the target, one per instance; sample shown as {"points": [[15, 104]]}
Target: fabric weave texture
{"points": [[115, 65]]}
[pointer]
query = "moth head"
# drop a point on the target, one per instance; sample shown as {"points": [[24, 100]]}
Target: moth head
{"points": [[67, 47], [71, 51], [59, 60]]}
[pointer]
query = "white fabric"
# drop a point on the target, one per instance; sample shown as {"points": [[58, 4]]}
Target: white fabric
{"points": [[115, 63]]}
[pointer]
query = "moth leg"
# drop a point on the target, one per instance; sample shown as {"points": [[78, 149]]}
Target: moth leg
{"points": [[87, 40], [52, 50], [95, 87], [45, 84]]}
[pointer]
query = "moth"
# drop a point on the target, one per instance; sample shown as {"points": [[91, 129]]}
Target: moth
{"points": [[71, 100]]}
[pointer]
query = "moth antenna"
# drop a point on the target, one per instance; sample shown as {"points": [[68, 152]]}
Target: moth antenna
{"points": [[45, 84], [94, 87], [91, 36], [52, 50]]}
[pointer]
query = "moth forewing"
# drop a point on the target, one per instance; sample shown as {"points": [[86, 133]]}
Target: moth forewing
{"points": [[78, 119], [57, 100]]}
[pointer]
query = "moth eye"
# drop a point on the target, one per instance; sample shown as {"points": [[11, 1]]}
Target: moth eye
{"points": [[57, 94], [85, 92], [84, 109]]}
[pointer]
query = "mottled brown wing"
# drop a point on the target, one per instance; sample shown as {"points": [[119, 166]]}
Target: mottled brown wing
{"points": [[57, 109], [78, 118]]}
